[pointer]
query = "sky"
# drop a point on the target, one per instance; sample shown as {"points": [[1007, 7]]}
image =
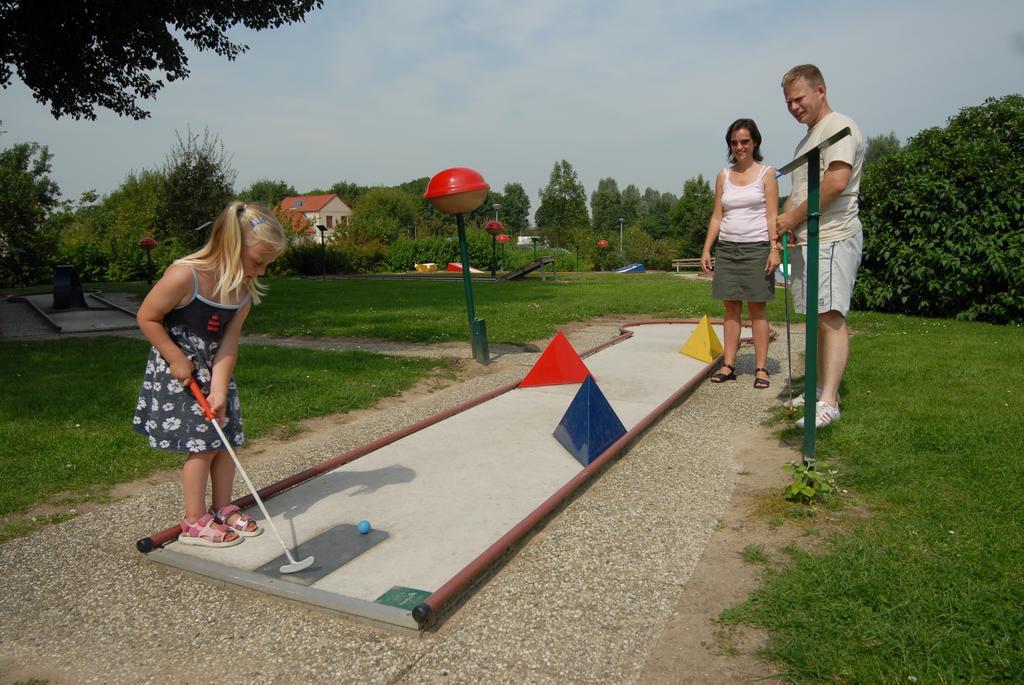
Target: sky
{"points": [[384, 91]]}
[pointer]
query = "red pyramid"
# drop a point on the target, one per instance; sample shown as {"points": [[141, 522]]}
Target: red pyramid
{"points": [[558, 365]]}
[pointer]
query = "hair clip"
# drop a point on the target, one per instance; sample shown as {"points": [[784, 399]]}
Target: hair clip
{"points": [[259, 219]]}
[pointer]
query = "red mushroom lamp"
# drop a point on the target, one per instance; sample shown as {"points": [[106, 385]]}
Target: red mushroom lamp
{"points": [[457, 191], [495, 228]]}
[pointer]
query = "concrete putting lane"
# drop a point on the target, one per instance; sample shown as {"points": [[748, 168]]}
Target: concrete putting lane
{"points": [[439, 497]]}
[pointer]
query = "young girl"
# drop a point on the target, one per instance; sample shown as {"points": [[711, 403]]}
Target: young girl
{"points": [[743, 223], [193, 317]]}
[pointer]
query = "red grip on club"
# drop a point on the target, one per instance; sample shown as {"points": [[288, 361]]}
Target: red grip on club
{"points": [[200, 398]]}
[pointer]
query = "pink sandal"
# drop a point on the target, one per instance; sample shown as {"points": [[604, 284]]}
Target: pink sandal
{"points": [[241, 522], [206, 532]]}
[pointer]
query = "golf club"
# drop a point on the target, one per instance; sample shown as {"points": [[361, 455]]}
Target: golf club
{"points": [[785, 285], [291, 567]]}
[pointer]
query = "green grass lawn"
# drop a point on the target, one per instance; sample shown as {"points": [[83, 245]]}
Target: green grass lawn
{"points": [[68, 406], [926, 589], [435, 311], [930, 586]]}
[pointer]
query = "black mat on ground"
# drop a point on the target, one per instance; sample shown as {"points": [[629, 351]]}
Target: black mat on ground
{"points": [[332, 549]]}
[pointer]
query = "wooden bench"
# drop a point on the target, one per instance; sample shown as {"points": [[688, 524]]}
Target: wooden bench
{"points": [[691, 263]]}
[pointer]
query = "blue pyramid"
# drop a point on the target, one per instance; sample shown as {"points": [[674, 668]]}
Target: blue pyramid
{"points": [[590, 425]]}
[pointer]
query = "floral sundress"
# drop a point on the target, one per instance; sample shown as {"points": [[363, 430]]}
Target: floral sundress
{"points": [[166, 412]]}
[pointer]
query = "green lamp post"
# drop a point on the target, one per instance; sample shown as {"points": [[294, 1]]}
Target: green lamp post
{"points": [[495, 228], [148, 244], [503, 239], [603, 244], [458, 191]]}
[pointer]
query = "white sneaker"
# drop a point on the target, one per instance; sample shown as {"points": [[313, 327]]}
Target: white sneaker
{"points": [[824, 414], [798, 401]]}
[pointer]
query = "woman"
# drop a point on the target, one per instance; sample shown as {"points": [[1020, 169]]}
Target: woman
{"points": [[743, 224]]}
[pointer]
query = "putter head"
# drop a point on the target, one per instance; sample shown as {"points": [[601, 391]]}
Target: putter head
{"points": [[297, 566]]}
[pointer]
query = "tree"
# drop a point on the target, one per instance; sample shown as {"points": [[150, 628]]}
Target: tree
{"points": [[654, 213], [198, 183], [606, 205], [650, 202], [384, 214], [27, 195], [268, 192], [563, 203], [691, 214], [879, 147], [944, 220], [485, 212], [515, 209], [631, 203], [425, 210], [77, 56], [102, 241], [637, 245], [349, 192]]}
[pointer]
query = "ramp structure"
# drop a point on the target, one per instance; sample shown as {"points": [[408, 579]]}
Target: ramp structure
{"points": [[449, 496], [539, 263]]}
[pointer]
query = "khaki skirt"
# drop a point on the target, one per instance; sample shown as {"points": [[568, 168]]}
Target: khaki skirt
{"points": [[739, 272]]}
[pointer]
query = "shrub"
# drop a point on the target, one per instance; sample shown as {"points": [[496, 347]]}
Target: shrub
{"points": [[306, 259], [405, 253], [365, 257], [943, 226], [81, 248]]}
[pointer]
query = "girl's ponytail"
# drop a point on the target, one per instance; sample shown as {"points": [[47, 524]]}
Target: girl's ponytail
{"points": [[240, 224]]}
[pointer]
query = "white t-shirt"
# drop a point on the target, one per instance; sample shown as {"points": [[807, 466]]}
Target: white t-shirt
{"points": [[840, 220]]}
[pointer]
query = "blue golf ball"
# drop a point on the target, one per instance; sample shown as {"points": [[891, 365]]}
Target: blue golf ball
{"points": [[363, 527]]}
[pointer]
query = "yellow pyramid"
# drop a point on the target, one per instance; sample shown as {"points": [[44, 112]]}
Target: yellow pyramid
{"points": [[702, 344]]}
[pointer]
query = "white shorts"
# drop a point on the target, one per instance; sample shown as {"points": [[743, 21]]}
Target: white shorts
{"points": [[837, 271]]}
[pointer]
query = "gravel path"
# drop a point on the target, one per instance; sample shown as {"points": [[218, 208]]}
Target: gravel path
{"points": [[582, 601]]}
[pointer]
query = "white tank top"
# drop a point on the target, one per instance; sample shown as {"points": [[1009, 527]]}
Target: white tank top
{"points": [[744, 216]]}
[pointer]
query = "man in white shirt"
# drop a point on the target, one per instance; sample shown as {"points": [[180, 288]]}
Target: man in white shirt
{"points": [[840, 233]]}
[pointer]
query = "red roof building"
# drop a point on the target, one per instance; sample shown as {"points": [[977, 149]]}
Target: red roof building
{"points": [[306, 213]]}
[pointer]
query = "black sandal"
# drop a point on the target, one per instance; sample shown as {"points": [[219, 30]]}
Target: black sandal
{"points": [[721, 377], [761, 383]]}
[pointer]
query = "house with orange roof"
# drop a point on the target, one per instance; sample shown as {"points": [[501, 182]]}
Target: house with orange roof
{"points": [[306, 213]]}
